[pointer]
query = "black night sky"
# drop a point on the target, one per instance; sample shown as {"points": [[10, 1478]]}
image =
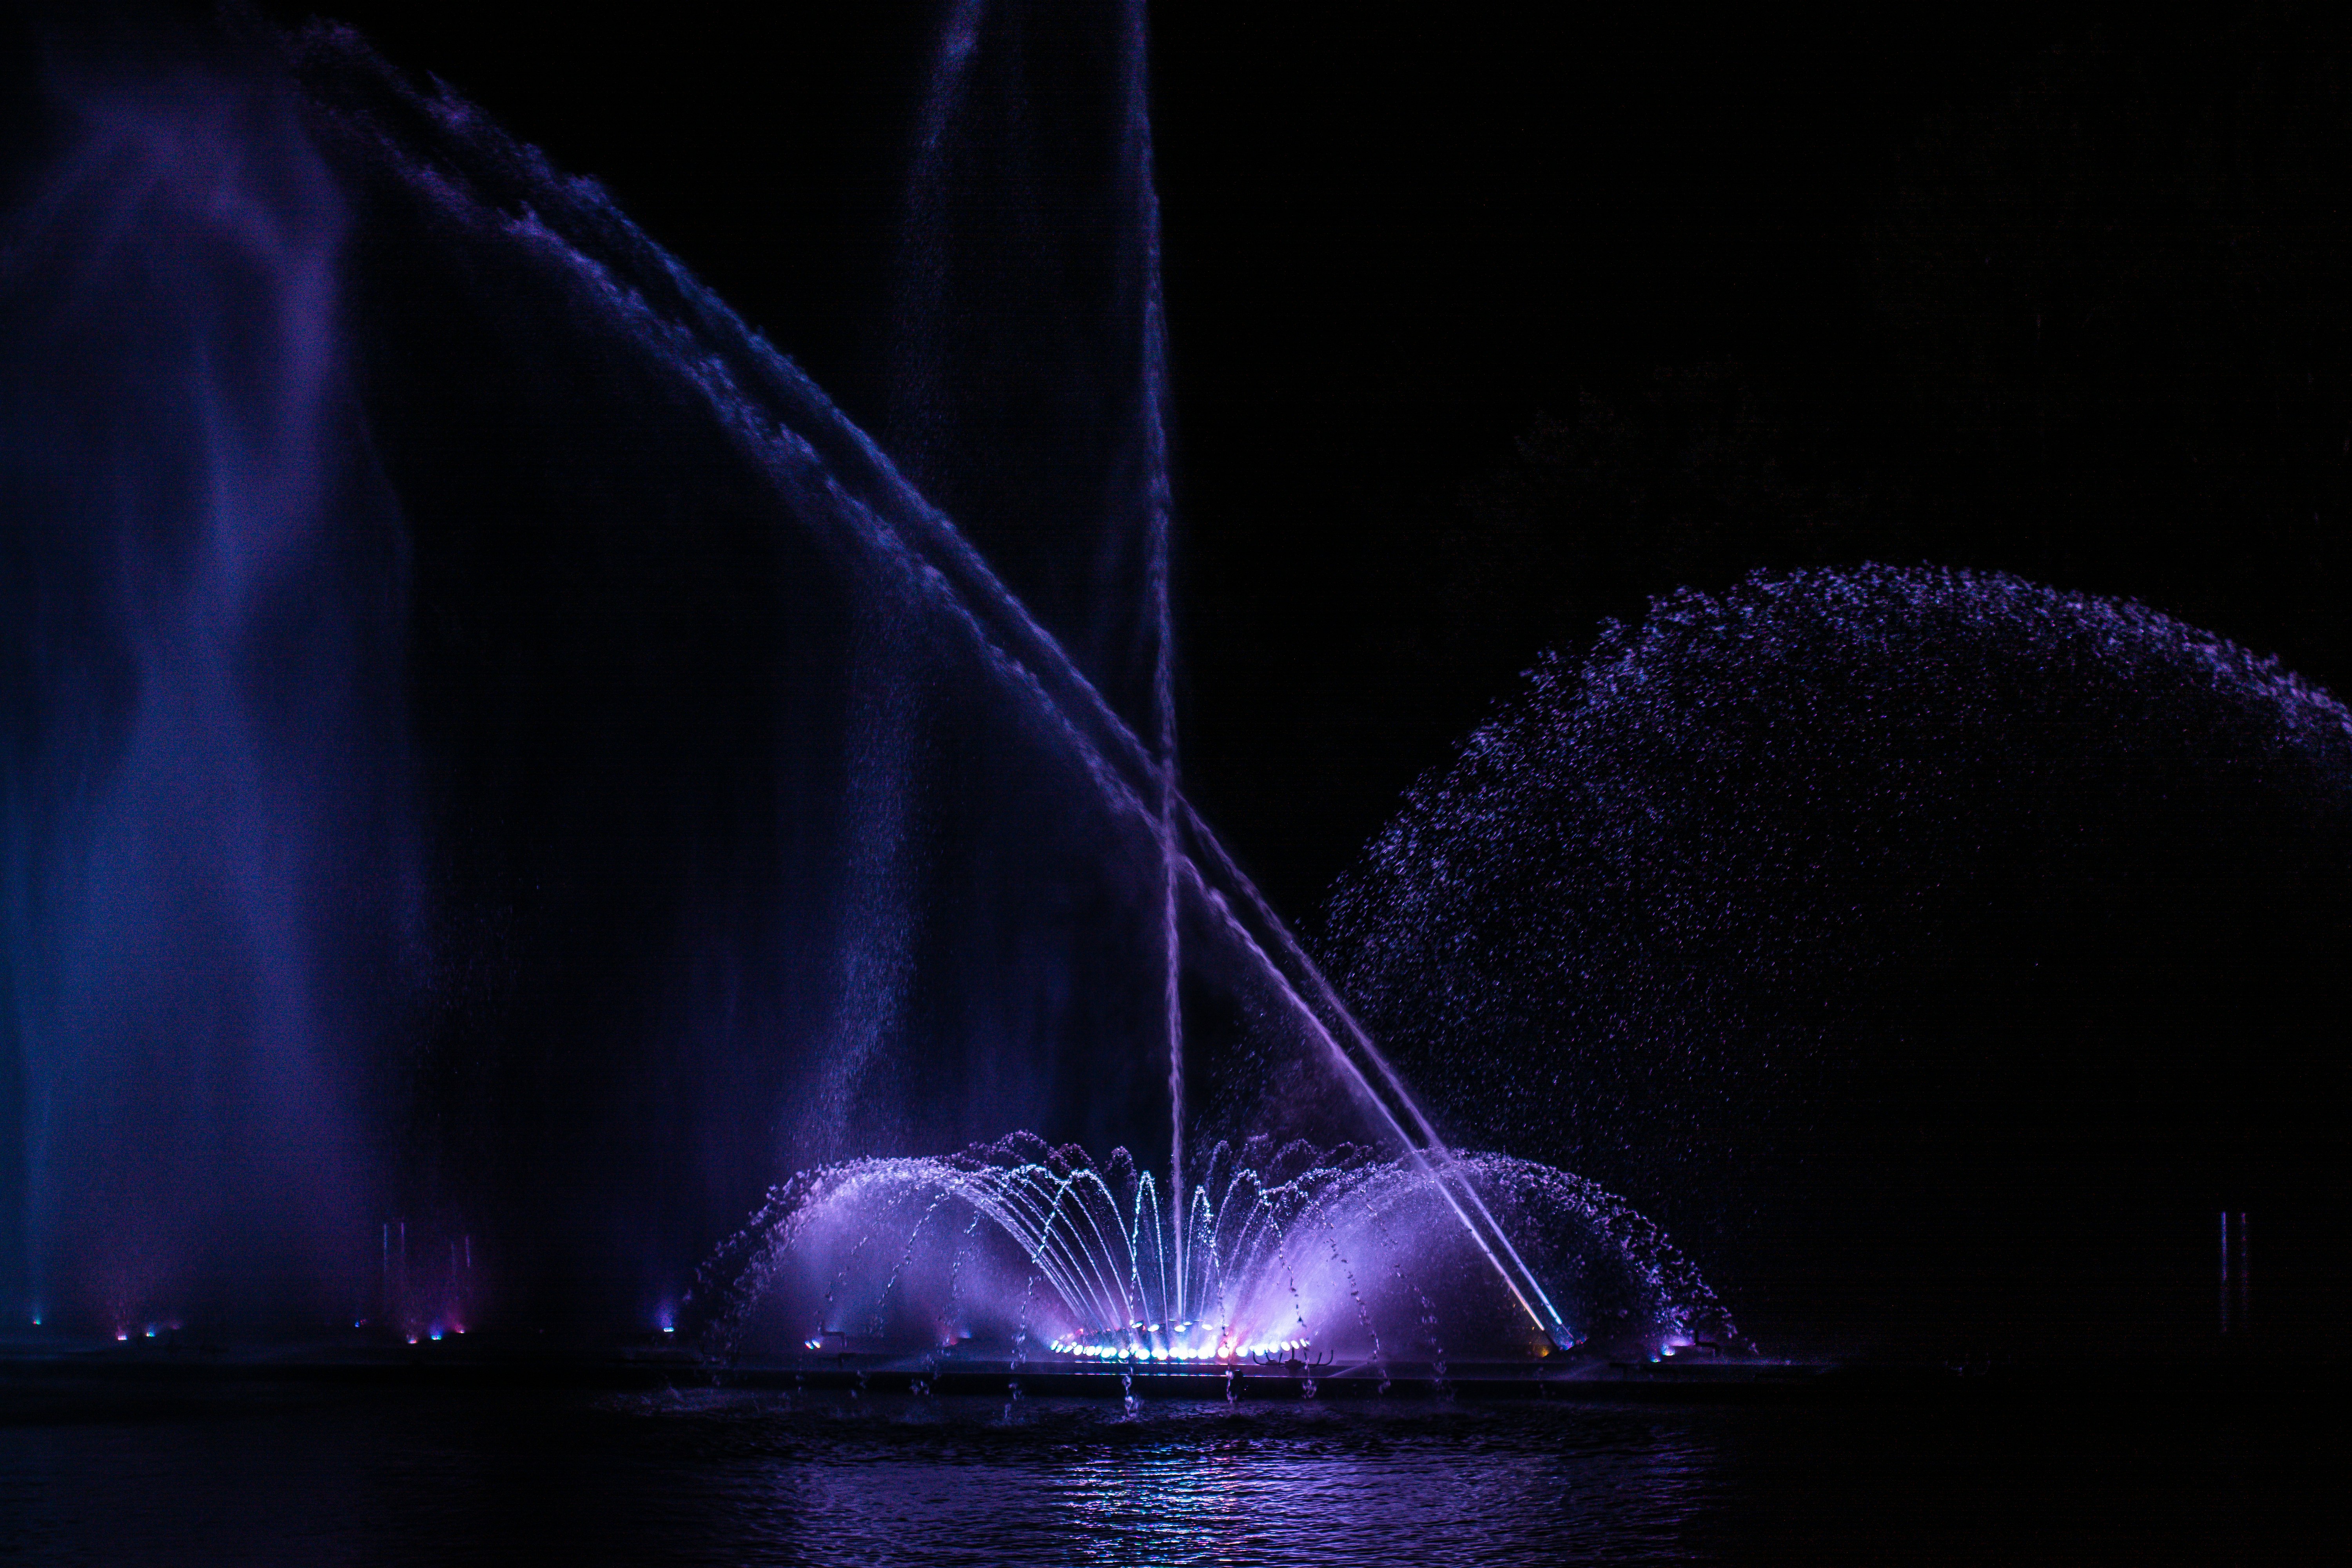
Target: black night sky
{"points": [[1490, 322]]}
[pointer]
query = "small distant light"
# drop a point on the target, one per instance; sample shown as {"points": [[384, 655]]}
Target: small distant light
{"points": [[412, 1339], [359, 1323], [435, 1336], [36, 1319], [120, 1335], [668, 1328]]}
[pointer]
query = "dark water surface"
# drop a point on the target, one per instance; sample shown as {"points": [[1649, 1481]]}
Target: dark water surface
{"points": [[288, 1474]]}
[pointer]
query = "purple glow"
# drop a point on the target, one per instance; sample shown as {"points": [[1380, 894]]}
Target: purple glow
{"points": [[1351, 1255], [200, 847]]}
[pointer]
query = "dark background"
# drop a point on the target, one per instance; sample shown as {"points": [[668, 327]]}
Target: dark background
{"points": [[1492, 321]]}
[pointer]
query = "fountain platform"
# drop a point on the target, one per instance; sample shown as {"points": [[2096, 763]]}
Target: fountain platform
{"points": [[40, 1380], [49, 1374]]}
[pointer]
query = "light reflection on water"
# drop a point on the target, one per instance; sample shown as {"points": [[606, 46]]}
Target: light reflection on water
{"points": [[279, 1474], [1184, 1486]]}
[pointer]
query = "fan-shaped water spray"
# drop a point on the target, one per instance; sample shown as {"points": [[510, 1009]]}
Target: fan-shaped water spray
{"points": [[1037, 1252]]}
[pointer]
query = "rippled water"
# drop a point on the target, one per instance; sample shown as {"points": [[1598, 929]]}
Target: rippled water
{"points": [[277, 1475]]}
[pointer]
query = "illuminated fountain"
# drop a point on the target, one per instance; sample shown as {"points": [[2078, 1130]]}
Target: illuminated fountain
{"points": [[1268, 1253], [881, 846], [1296, 1255], [497, 746]]}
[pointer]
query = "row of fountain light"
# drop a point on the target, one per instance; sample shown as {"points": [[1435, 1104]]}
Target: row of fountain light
{"points": [[1132, 1344], [1138, 1341]]}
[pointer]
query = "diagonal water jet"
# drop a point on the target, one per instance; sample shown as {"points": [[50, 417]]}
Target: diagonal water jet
{"points": [[827, 470]]}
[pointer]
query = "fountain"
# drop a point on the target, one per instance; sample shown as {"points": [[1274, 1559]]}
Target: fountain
{"points": [[502, 768], [1128, 1273], [506, 765], [1286, 1252]]}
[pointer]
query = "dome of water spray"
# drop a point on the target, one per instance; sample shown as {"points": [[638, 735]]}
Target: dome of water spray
{"points": [[1933, 953]]}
